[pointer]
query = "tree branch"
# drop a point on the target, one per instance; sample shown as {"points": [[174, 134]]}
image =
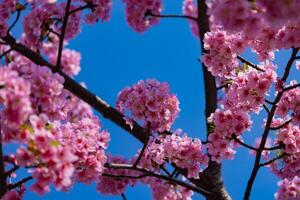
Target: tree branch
{"points": [[88, 5], [243, 60], [5, 53], [211, 178], [15, 21], [171, 16], [282, 125], [243, 144], [267, 128], [273, 160], [291, 87], [21, 182], [144, 147], [62, 34], [160, 176], [123, 196]]}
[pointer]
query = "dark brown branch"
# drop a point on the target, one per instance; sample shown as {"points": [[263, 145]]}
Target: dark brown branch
{"points": [[211, 178], [282, 125], [54, 32], [144, 147], [160, 176], [273, 160], [267, 128], [243, 60], [291, 87], [171, 16], [87, 6], [15, 21], [124, 176], [266, 108], [18, 184], [12, 170], [269, 102], [123, 196], [243, 144], [5, 53], [62, 34]]}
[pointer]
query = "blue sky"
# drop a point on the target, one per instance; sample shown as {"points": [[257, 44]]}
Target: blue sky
{"points": [[114, 56]]}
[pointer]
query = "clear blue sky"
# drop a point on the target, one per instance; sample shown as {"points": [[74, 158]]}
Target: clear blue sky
{"points": [[114, 56]]}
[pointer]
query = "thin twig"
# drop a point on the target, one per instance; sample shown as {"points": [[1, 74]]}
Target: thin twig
{"points": [[62, 35], [18, 184], [165, 170], [88, 5], [54, 32], [273, 160], [282, 125], [269, 102], [291, 87], [243, 144], [5, 53], [157, 175], [123, 196], [12, 170], [144, 147], [15, 21], [243, 60], [170, 16], [266, 108], [124, 176]]}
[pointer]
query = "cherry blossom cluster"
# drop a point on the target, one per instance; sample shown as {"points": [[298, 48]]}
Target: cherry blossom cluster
{"points": [[187, 153], [53, 127], [138, 13], [290, 137], [44, 20], [290, 103], [88, 143], [53, 160], [289, 189], [227, 124], [47, 88], [15, 97], [189, 8], [239, 15], [54, 150], [233, 15], [223, 48], [267, 26], [248, 89], [150, 102]]}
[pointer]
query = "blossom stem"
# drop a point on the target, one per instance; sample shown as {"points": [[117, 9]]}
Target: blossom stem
{"points": [[170, 16], [243, 60], [62, 35], [157, 175], [21, 182]]}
